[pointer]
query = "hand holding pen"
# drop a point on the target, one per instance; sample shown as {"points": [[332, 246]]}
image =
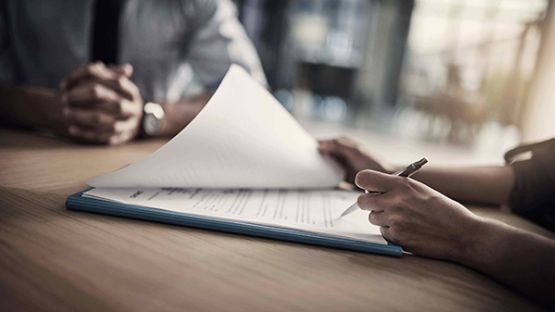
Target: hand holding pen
{"points": [[407, 172]]}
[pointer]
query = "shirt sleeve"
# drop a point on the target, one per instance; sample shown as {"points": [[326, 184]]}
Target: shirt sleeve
{"points": [[219, 41], [6, 61], [533, 194]]}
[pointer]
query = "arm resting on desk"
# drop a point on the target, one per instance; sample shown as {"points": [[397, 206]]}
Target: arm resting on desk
{"points": [[42, 108], [428, 223], [488, 184], [31, 107], [520, 259]]}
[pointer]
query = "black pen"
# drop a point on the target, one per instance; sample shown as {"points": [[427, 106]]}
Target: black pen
{"points": [[407, 172]]}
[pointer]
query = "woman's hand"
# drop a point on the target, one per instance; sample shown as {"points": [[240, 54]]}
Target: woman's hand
{"points": [[418, 218], [351, 157]]}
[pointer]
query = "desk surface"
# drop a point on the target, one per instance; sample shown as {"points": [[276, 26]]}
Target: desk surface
{"points": [[55, 259]]}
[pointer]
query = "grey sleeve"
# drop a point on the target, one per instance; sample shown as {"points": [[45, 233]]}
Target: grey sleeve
{"points": [[219, 41], [6, 60]]}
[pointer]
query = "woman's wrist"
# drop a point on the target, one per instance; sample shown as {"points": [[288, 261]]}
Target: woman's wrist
{"points": [[470, 245], [479, 246]]}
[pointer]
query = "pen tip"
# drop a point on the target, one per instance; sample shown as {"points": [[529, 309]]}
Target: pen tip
{"points": [[422, 161]]}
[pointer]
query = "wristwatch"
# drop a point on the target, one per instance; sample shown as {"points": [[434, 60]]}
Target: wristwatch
{"points": [[153, 118]]}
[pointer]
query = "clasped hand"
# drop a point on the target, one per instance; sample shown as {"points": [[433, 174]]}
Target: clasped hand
{"points": [[101, 104]]}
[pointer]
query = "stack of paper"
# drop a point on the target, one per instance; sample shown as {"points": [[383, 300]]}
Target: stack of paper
{"points": [[244, 159], [243, 138]]}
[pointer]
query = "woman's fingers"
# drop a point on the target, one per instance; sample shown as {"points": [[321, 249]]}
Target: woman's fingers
{"points": [[341, 147], [389, 234], [375, 201], [350, 156], [346, 151], [379, 218], [372, 180]]}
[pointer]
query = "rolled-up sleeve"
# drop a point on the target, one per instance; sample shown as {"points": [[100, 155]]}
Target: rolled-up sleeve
{"points": [[219, 41], [533, 194], [6, 61]]}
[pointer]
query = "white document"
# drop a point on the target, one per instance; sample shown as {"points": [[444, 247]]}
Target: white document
{"points": [[243, 158], [243, 138], [315, 211]]}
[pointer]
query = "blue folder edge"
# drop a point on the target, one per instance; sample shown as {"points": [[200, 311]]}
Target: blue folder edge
{"points": [[78, 202]]}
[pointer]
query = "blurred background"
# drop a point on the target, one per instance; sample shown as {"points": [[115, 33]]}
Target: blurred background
{"points": [[472, 75]]}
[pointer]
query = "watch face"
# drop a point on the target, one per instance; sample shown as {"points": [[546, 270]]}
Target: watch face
{"points": [[153, 117], [151, 124]]}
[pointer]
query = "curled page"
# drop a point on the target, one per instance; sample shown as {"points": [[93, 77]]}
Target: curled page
{"points": [[243, 138]]}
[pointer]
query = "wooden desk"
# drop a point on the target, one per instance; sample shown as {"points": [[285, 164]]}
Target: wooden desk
{"points": [[54, 259]]}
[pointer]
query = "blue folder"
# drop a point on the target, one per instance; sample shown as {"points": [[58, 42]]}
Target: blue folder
{"points": [[78, 202]]}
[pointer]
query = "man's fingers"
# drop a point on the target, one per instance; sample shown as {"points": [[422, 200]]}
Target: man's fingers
{"points": [[119, 108], [82, 72], [103, 105], [372, 180], [119, 85], [91, 118], [125, 126], [95, 96], [97, 69], [121, 138], [98, 120], [73, 76], [88, 135], [115, 77], [119, 132], [123, 85], [123, 108], [90, 92], [122, 69]]}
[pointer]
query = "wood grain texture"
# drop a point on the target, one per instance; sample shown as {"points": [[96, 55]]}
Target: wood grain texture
{"points": [[55, 259]]}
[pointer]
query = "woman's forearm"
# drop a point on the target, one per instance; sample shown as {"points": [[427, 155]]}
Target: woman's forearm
{"points": [[522, 260], [490, 185]]}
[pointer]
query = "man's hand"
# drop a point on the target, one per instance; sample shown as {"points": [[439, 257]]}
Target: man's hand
{"points": [[351, 157], [418, 218], [103, 105]]}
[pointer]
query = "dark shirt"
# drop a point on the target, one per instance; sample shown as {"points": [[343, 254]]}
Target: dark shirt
{"points": [[533, 195]]}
